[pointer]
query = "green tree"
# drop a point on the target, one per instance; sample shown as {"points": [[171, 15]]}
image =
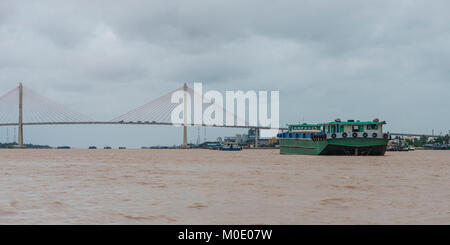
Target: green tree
{"points": [[422, 140]]}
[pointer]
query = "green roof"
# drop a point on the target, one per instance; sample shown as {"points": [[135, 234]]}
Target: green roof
{"points": [[354, 123], [305, 124], [339, 123]]}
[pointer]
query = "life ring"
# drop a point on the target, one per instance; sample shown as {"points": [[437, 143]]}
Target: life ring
{"points": [[333, 136], [374, 135], [355, 135], [365, 135], [344, 135]]}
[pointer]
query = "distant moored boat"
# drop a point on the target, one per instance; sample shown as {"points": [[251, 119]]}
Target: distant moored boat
{"points": [[63, 147], [230, 147]]}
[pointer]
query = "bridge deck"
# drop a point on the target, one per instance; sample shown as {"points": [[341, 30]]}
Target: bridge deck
{"points": [[133, 123]]}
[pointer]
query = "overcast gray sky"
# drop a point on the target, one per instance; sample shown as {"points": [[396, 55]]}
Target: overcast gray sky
{"points": [[328, 59]]}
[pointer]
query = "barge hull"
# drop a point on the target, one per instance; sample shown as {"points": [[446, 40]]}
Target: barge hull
{"points": [[348, 146]]}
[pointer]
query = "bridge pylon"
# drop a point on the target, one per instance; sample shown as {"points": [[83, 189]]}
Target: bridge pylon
{"points": [[185, 144], [20, 135]]}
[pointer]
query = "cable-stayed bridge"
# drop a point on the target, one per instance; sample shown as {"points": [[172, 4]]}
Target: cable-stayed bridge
{"points": [[24, 107]]}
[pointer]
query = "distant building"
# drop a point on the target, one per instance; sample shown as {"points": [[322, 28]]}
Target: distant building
{"points": [[229, 139], [238, 139], [246, 139]]}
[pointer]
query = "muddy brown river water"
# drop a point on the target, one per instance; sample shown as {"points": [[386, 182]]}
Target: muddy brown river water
{"points": [[214, 187]]}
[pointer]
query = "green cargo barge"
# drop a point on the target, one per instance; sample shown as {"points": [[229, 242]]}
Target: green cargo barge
{"points": [[335, 138]]}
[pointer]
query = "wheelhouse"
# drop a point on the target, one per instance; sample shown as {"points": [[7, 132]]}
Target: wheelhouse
{"points": [[355, 129]]}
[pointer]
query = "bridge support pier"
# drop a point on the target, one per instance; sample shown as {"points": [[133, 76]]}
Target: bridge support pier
{"points": [[185, 145], [20, 139], [256, 137]]}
